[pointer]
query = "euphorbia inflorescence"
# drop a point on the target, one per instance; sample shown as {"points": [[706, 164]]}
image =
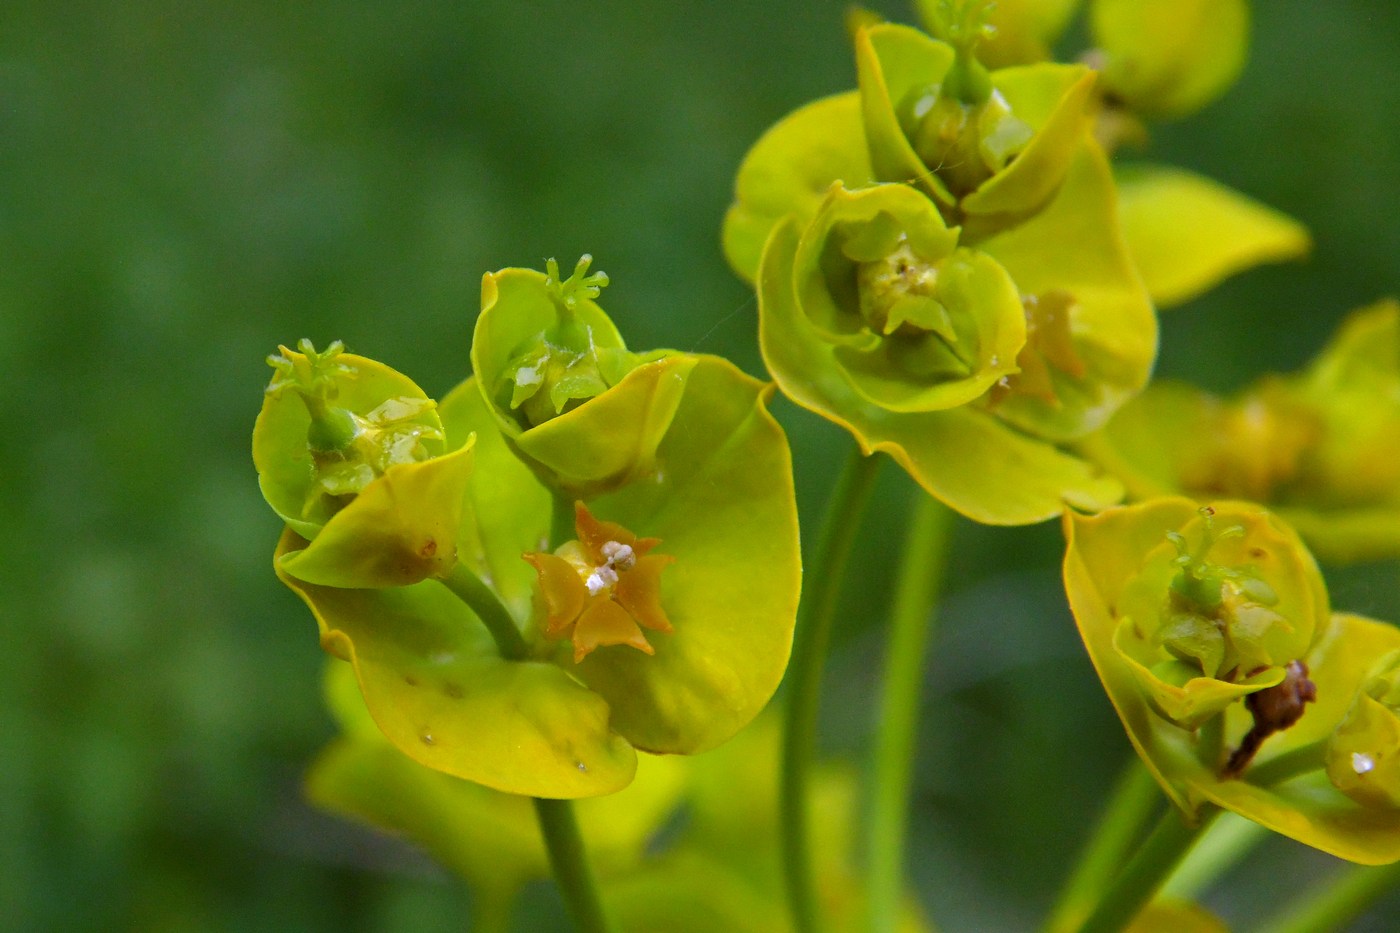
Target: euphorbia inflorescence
{"points": [[602, 588]]}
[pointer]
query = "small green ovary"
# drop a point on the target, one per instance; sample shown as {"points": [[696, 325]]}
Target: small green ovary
{"points": [[1218, 617]]}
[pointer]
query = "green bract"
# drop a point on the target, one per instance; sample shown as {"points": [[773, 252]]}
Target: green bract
{"points": [[1187, 233], [1321, 447], [350, 455], [718, 495], [585, 413], [1114, 563], [830, 289], [988, 163], [994, 159], [1169, 58]]}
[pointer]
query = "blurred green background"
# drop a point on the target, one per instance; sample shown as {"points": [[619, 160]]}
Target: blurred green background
{"points": [[185, 185]]}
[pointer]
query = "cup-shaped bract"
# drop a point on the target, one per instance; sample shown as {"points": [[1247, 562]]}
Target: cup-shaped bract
{"points": [[718, 496], [571, 400], [1112, 563], [914, 323], [871, 317], [1321, 447], [994, 159], [1166, 59], [350, 455], [988, 164]]}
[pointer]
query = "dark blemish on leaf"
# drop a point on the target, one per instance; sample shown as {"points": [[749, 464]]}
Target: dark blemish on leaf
{"points": [[1258, 553], [429, 548], [410, 680], [452, 690], [1113, 612]]}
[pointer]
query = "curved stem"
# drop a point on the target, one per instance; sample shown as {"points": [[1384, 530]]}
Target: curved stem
{"points": [[1289, 765], [482, 600], [1140, 879], [1336, 902], [570, 864], [1134, 799], [818, 610], [911, 627], [1218, 851]]}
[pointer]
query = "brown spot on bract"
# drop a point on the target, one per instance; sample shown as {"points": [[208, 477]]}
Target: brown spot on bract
{"points": [[429, 548], [1258, 553], [452, 690], [410, 680]]}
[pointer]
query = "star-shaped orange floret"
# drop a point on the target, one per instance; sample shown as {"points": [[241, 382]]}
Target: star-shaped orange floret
{"points": [[603, 588]]}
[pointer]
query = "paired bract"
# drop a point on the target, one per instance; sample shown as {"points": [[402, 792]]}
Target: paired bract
{"points": [[939, 268], [1200, 622], [448, 525]]}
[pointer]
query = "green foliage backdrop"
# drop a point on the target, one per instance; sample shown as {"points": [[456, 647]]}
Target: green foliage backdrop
{"points": [[185, 185]]}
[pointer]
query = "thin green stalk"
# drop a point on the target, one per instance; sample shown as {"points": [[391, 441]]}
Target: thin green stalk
{"points": [[1141, 878], [911, 627], [482, 600], [1220, 848], [1289, 765], [567, 856], [1336, 902], [570, 864], [561, 520], [1134, 799], [818, 610]]}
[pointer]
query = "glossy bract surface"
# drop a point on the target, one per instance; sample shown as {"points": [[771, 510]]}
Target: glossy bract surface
{"points": [[350, 454], [1184, 727], [719, 493], [585, 413]]}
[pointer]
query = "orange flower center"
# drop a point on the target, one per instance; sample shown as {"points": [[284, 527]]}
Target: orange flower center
{"points": [[603, 588]]}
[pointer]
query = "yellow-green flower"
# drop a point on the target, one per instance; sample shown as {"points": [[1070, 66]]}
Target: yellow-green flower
{"points": [[350, 454], [1321, 447], [1261, 598]]}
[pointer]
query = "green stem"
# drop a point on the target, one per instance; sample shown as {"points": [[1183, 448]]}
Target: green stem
{"points": [[1289, 765], [482, 600], [1143, 875], [561, 520], [1336, 902], [1134, 799], [818, 611], [911, 627], [1220, 848], [570, 864]]}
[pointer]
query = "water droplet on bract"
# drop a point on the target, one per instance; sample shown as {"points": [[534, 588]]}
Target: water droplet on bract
{"points": [[1361, 763]]}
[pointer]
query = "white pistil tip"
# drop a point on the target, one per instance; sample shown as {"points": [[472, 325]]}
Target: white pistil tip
{"points": [[527, 376], [1362, 763]]}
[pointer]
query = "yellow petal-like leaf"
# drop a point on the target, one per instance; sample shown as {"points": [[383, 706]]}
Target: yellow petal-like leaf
{"points": [[1187, 233], [434, 682]]}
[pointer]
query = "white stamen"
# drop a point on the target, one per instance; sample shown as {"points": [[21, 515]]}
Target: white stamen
{"points": [[619, 555], [1361, 763]]}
